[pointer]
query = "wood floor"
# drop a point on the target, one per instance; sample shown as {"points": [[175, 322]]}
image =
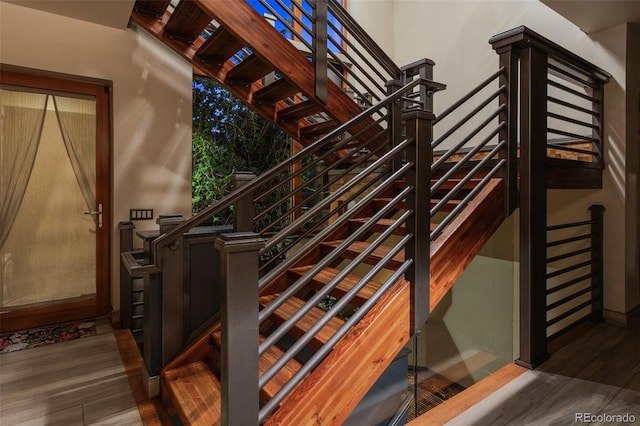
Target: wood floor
{"points": [[81, 382], [84, 382], [597, 374]]}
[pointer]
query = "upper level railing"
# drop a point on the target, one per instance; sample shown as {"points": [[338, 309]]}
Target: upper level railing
{"points": [[552, 93], [338, 46], [561, 91]]}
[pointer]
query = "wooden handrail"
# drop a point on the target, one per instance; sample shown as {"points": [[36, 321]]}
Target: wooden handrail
{"points": [[523, 37]]}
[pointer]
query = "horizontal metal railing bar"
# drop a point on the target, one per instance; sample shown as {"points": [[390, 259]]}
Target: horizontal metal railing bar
{"points": [[569, 313], [557, 101], [570, 268], [469, 95], [301, 8], [362, 57], [290, 261], [335, 195], [341, 144], [466, 179], [455, 149], [363, 38], [229, 199], [350, 74], [333, 212], [466, 199], [467, 117], [569, 283], [569, 254], [361, 160], [336, 308], [573, 121], [355, 76], [571, 76], [570, 225], [572, 91], [467, 159], [326, 260], [315, 360], [284, 21], [572, 135], [570, 326], [569, 298], [570, 240]]}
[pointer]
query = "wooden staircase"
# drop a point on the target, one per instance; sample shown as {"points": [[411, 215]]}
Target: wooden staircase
{"points": [[236, 47], [247, 55], [331, 391]]}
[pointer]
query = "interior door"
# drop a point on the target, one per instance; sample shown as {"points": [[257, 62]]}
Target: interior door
{"points": [[54, 200]]}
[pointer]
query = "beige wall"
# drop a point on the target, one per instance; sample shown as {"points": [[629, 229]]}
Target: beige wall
{"points": [[455, 35], [151, 105]]}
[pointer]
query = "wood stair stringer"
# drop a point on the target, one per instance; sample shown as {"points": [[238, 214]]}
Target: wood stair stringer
{"points": [[325, 397], [463, 238]]}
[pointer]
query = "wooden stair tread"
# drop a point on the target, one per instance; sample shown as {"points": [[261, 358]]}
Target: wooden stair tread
{"points": [[360, 246], [384, 201], [195, 392], [293, 305], [452, 182], [249, 70], [381, 225], [300, 110], [219, 47], [154, 8], [327, 274], [187, 22], [318, 129], [264, 363], [276, 91]]}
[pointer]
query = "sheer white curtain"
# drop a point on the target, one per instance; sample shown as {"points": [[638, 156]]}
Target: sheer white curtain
{"points": [[21, 118], [77, 121]]}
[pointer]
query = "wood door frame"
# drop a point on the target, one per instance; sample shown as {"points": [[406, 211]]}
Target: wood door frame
{"points": [[101, 90]]}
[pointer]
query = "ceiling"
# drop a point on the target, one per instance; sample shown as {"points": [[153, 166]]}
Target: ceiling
{"points": [[594, 15], [104, 12], [588, 15]]}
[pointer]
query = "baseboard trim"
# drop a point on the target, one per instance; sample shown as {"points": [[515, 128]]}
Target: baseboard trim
{"points": [[622, 319]]}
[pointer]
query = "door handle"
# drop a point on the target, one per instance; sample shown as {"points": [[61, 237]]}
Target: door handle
{"points": [[98, 213]]}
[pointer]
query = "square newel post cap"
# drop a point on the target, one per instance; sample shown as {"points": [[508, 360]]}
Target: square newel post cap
{"points": [[243, 177], [419, 114], [239, 242]]}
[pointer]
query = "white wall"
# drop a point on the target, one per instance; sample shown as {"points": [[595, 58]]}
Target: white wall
{"points": [[151, 106], [455, 34]]}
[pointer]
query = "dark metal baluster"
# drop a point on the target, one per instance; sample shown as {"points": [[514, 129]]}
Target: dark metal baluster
{"points": [[597, 279]]}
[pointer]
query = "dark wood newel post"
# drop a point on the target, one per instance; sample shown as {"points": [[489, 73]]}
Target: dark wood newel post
{"points": [[126, 281], [239, 255], [244, 209], [533, 207], [419, 125], [597, 280]]}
